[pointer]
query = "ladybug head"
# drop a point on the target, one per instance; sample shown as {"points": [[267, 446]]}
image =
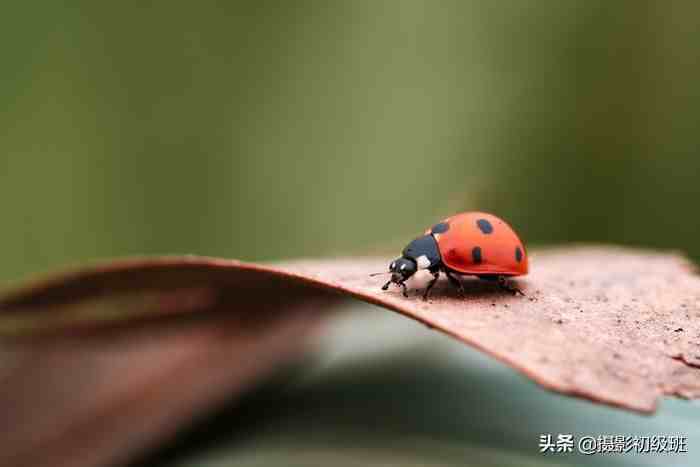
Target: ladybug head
{"points": [[401, 269]]}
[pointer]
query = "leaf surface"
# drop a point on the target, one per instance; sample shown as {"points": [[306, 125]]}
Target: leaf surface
{"points": [[159, 340]]}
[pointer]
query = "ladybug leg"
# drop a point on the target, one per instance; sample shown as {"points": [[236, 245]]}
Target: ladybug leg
{"points": [[505, 285], [455, 282], [436, 276], [402, 284]]}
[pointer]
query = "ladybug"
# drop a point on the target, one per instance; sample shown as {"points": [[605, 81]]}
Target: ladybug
{"points": [[470, 243]]}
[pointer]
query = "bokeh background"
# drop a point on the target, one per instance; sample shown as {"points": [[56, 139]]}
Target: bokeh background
{"points": [[266, 130]]}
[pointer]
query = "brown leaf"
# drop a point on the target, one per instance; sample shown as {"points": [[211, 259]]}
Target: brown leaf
{"points": [[612, 325], [103, 399], [114, 388]]}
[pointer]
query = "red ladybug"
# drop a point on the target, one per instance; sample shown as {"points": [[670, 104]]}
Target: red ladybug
{"points": [[474, 243]]}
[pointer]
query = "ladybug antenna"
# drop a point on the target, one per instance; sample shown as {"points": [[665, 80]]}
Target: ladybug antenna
{"points": [[379, 273]]}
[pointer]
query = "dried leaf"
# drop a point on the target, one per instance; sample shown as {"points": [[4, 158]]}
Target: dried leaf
{"points": [[612, 325], [102, 395]]}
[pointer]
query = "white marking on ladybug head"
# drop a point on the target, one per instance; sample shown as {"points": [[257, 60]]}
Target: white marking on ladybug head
{"points": [[423, 262]]}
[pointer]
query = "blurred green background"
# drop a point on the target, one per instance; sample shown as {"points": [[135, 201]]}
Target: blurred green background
{"points": [[265, 130], [262, 130]]}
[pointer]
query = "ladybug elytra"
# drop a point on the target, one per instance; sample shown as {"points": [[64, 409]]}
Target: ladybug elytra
{"points": [[470, 243]]}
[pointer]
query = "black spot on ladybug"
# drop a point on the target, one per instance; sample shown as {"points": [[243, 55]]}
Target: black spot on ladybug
{"points": [[442, 227], [476, 255], [485, 226], [518, 254]]}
